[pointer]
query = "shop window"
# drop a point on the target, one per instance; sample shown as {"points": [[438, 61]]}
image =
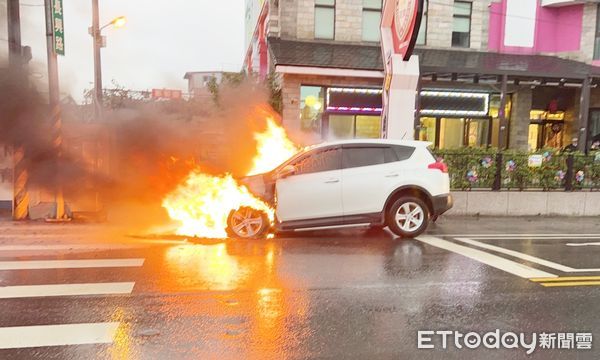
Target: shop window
{"points": [[594, 125], [427, 129], [311, 108], [495, 114], [371, 19], [354, 126], [422, 37], [325, 19], [461, 28], [597, 37], [546, 129]]}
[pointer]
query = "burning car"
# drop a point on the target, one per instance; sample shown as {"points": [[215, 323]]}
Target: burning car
{"points": [[377, 183]]}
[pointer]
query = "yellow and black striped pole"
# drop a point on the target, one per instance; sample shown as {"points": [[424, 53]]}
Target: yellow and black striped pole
{"points": [[57, 144], [21, 196]]}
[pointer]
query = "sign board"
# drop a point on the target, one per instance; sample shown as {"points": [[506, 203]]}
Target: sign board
{"points": [[405, 25], [166, 94], [535, 161], [58, 26]]}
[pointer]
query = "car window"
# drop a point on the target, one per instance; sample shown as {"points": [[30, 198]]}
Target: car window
{"points": [[318, 161], [403, 152], [363, 156]]}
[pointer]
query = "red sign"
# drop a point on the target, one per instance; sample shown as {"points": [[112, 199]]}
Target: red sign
{"points": [[405, 25], [166, 94]]}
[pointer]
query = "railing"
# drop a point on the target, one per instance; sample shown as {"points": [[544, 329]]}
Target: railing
{"points": [[546, 170]]}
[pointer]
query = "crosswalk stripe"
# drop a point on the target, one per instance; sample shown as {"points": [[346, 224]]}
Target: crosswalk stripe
{"points": [[498, 262], [23, 291], [69, 264], [57, 335]]}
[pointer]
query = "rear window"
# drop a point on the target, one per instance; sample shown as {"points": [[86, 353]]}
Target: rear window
{"points": [[403, 152]]}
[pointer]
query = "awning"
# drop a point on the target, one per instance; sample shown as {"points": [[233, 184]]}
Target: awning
{"points": [[454, 64]]}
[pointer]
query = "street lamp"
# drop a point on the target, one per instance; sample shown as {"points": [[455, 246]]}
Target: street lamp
{"points": [[99, 43]]}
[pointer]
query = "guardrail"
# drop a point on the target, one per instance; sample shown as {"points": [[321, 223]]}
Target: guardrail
{"points": [[545, 170]]}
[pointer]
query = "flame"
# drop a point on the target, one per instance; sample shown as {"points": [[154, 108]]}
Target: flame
{"points": [[202, 203], [273, 148]]}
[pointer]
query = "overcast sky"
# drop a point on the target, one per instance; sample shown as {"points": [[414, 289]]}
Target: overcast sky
{"points": [[161, 41]]}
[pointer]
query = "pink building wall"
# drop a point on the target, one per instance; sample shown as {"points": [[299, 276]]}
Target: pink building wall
{"points": [[557, 29]]}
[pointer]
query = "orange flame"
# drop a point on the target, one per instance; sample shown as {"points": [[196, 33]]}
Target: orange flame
{"points": [[273, 148], [201, 204]]}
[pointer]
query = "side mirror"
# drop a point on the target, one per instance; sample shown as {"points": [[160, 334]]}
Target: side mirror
{"points": [[287, 171]]}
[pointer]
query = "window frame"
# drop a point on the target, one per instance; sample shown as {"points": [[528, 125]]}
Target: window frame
{"points": [[596, 50], [323, 6], [371, 10], [426, 16], [460, 16]]}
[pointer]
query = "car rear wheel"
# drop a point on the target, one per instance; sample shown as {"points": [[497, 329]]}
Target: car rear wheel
{"points": [[247, 223], [408, 217]]}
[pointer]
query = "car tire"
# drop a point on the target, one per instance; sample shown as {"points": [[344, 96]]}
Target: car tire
{"points": [[408, 217], [247, 223]]}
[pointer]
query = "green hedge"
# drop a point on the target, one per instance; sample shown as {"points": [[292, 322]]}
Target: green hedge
{"points": [[472, 168]]}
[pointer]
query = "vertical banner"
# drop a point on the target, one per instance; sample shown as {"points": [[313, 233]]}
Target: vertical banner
{"points": [[59, 28]]}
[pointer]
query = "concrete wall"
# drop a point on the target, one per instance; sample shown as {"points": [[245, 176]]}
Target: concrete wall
{"points": [[523, 203], [519, 122]]}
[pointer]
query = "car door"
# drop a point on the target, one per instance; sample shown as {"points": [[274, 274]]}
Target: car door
{"points": [[369, 174], [314, 191]]}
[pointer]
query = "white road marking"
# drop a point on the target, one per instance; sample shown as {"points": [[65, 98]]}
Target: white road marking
{"points": [[57, 335], [517, 254], [23, 291], [495, 261], [523, 256], [117, 246], [584, 244], [69, 264]]}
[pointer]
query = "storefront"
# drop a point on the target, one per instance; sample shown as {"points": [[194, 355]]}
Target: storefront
{"points": [[467, 98], [453, 118], [341, 112]]}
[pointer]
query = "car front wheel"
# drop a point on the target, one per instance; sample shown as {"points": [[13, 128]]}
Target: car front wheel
{"points": [[408, 217], [247, 223]]}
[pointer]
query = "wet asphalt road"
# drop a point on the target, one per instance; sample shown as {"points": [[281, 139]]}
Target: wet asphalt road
{"points": [[352, 295]]}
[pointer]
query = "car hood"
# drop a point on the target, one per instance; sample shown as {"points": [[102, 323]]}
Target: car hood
{"points": [[258, 185]]}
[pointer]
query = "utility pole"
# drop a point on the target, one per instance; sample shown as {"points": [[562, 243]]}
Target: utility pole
{"points": [[20, 174], [54, 100], [95, 32]]}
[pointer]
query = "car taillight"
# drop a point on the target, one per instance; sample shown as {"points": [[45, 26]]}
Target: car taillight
{"points": [[438, 165]]}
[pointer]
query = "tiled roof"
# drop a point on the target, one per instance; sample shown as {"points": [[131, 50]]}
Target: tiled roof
{"points": [[317, 54], [368, 57]]}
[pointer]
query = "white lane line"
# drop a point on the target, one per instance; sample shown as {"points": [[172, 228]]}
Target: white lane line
{"points": [[97, 246], [486, 258], [584, 244], [24, 291], [517, 254], [69, 264], [523, 256], [57, 335]]}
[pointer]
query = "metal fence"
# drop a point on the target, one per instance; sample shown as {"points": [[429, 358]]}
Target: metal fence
{"points": [[512, 170]]}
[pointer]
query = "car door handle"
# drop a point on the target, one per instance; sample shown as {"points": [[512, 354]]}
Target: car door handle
{"points": [[392, 175], [332, 181]]}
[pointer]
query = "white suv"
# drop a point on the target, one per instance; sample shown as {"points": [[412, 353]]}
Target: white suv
{"points": [[394, 183]]}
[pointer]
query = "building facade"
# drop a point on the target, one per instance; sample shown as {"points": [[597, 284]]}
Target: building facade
{"points": [[502, 73]]}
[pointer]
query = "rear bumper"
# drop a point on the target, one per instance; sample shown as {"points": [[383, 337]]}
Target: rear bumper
{"points": [[441, 204]]}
